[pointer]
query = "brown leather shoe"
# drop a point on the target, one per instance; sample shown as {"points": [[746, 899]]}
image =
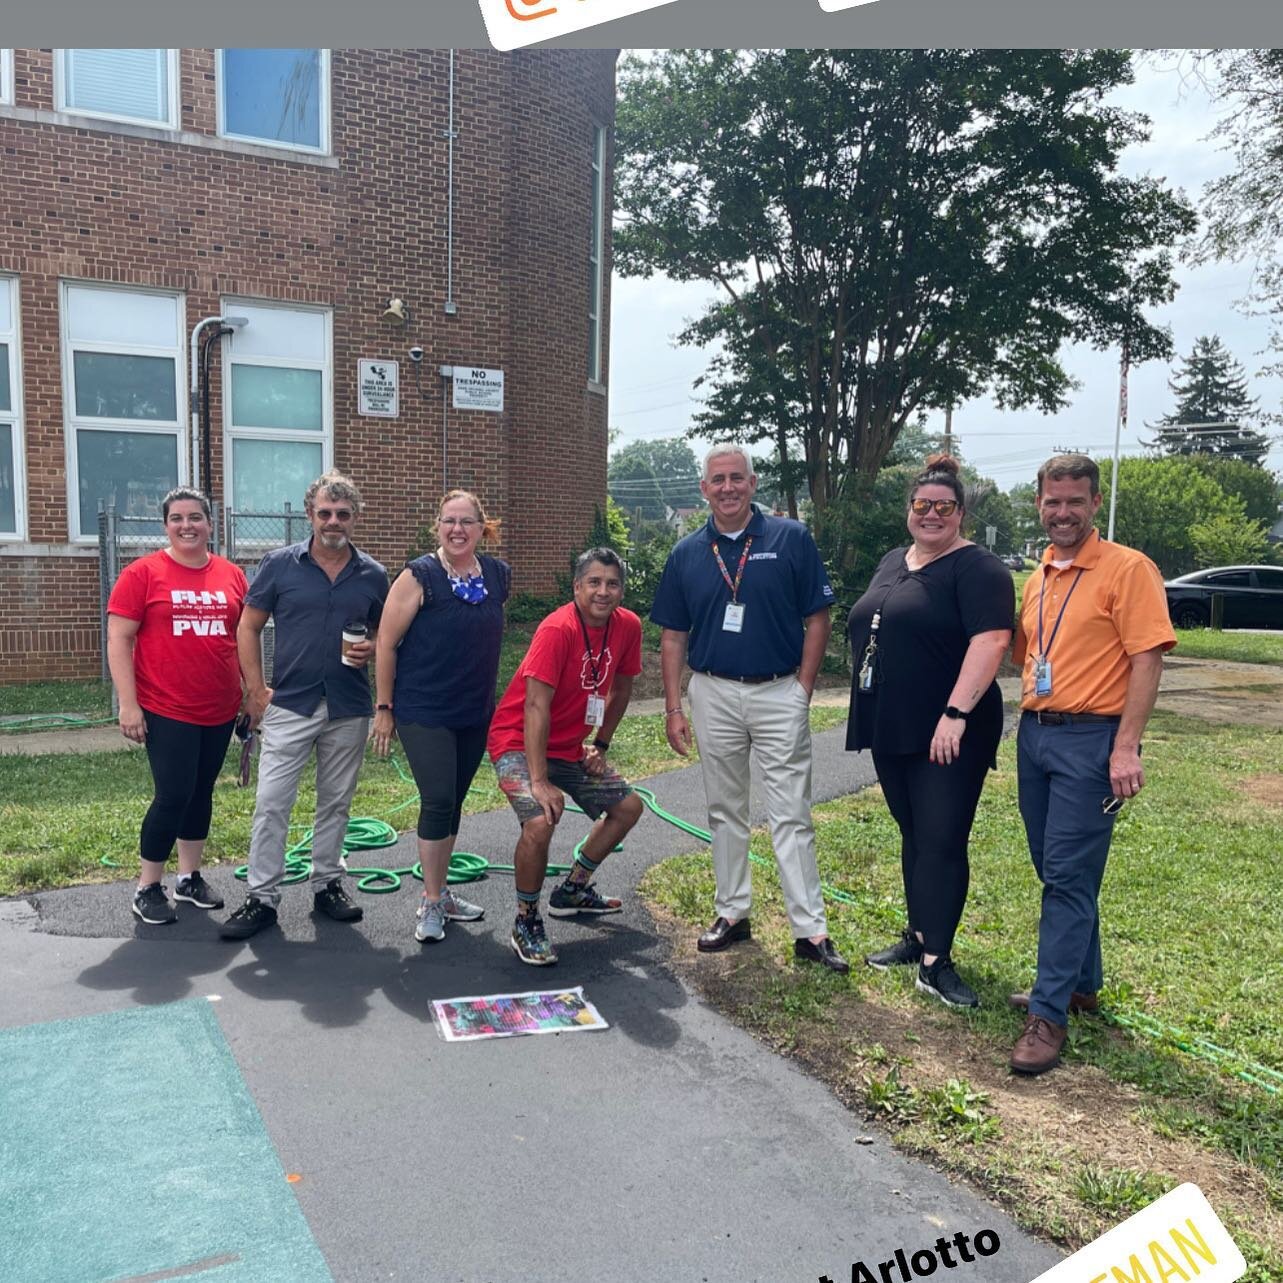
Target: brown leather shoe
{"points": [[722, 934], [1038, 1047], [1080, 1003]]}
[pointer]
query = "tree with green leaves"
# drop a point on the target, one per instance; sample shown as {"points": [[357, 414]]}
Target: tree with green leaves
{"points": [[1213, 408], [653, 476], [889, 232], [1226, 540]]}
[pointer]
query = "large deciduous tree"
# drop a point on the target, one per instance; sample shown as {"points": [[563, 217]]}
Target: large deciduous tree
{"points": [[889, 232], [653, 476]]}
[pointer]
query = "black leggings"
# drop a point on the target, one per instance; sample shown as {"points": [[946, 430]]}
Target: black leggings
{"points": [[185, 761], [934, 807], [444, 762]]}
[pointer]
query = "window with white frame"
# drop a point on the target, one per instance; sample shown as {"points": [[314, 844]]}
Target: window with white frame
{"points": [[276, 406], [13, 517], [122, 378], [135, 85], [280, 97], [6, 77], [596, 292]]}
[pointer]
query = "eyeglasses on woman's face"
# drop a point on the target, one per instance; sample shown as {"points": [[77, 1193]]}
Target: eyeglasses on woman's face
{"points": [[943, 507], [464, 523]]}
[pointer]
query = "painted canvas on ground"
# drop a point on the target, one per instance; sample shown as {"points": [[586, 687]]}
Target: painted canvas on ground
{"points": [[509, 1015]]}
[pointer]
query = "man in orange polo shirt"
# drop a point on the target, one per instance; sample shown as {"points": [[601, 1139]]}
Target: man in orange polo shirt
{"points": [[1093, 628]]}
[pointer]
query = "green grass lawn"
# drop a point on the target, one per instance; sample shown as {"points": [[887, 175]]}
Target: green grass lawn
{"points": [[1190, 912], [1243, 648], [62, 813]]}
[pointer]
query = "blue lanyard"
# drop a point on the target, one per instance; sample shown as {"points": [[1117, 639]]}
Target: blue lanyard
{"points": [[1043, 651]]}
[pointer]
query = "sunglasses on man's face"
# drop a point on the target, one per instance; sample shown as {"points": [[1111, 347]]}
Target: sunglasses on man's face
{"points": [[945, 507], [338, 514]]}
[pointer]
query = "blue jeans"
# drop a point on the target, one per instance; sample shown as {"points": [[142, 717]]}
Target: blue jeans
{"points": [[1063, 774]]}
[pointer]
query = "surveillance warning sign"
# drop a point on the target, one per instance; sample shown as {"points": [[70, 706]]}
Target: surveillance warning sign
{"points": [[378, 384]]}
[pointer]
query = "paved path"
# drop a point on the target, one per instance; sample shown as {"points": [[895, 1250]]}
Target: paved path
{"points": [[671, 1147]]}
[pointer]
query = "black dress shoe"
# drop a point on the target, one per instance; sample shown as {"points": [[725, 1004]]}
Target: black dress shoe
{"points": [[723, 933], [824, 953]]}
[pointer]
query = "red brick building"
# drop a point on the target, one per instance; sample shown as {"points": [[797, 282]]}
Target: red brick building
{"points": [[301, 191]]}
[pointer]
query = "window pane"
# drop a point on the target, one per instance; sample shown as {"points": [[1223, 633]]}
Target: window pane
{"points": [[8, 485], [1231, 579], [266, 475], [1270, 579], [6, 402], [109, 386], [266, 396], [273, 94], [122, 318], [118, 82], [133, 470]]}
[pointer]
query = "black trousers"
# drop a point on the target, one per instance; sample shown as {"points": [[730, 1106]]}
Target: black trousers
{"points": [[934, 807], [443, 763], [185, 761]]}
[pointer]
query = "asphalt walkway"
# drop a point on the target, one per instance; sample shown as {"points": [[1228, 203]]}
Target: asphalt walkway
{"points": [[670, 1147]]}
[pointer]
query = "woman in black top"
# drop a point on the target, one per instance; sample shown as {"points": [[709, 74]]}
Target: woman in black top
{"points": [[927, 638]]}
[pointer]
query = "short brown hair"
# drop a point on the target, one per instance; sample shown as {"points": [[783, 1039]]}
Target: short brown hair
{"points": [[1073, 466]]}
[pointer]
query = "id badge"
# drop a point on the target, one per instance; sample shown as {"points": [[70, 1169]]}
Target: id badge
{"points": [[596, 713], [733, 620], [866, 676], [1042, 677]]}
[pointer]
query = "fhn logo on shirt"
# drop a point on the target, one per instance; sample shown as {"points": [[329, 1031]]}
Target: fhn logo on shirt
{"points": [[198, 613], [510, 24]]}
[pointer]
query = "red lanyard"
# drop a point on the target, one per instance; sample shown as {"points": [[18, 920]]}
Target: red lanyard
{"points": [[739, 572]]}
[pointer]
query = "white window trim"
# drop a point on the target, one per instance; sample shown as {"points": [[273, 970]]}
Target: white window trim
{"points": [[60, 103], [220, 80], [597, 234], [14, 416], [325, 437], [6, 77], [73, 424]]}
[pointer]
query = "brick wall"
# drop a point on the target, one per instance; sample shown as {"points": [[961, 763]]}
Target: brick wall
{"points": [[348, 231]]}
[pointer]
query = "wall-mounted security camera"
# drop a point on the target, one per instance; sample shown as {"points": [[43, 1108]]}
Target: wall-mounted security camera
{"points": [[416, 354]]}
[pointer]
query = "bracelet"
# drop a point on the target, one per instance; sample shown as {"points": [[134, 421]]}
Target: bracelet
{"points": [[669, 712], [383, 708]]}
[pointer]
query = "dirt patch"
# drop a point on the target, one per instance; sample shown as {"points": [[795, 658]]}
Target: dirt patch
{"points": [[1051, 1127], [1265, 790]]}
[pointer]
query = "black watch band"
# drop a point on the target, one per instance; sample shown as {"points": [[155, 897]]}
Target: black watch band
{"points": [[956, 713], [601, 744]]}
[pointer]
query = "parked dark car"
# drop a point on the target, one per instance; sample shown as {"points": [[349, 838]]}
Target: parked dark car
{"points": [[1014, 561], [1253, 596]]}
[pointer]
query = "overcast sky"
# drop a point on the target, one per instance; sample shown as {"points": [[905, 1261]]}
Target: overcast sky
{"points": [[651, 379]]}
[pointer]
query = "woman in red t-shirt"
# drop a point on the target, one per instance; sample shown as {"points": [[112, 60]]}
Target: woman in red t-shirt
{"points": [[171, 648]]}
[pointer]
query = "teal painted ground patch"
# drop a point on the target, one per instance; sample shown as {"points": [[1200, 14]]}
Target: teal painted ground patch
{"points": [[99, 1180]]}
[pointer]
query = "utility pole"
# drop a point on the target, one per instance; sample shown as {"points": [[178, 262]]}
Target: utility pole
{"points": [[948, 428]]}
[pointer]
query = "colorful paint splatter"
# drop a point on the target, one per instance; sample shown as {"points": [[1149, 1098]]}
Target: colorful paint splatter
{"points": [[509, 1015]]}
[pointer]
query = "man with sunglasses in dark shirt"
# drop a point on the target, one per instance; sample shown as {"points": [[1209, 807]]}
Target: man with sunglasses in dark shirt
{"points": [[325, 597]]}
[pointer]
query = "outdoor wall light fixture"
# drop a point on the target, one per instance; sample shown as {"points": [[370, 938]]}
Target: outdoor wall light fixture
{"points": [[397, 312]]}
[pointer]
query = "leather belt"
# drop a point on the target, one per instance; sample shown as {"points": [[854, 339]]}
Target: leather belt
{"points": [[757, 680], [1045, 718]]}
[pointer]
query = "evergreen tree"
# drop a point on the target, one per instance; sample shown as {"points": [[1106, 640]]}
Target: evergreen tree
{"points": [[1211, 388]]}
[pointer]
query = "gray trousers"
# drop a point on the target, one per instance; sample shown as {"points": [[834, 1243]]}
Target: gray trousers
{"points": [[287, 743]]}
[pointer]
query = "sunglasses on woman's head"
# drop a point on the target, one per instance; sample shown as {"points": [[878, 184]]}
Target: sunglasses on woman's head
{"points": [[945, 507]]}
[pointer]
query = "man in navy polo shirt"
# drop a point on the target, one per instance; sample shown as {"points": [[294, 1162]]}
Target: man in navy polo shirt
{"points": [[746, 601], [316, 592]]}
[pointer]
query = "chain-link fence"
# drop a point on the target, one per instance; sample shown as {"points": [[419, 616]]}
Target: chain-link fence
{"points": [[242, 537]]}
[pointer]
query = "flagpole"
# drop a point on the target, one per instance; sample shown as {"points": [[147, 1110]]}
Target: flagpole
{"points": [[1119, 424]]}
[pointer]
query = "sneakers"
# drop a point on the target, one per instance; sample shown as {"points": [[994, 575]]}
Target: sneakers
{"points": [[152, 905], [431, 923], [457, 909], [907, 951], [941, 980], [569, 899], [195, 890], [335, 903], [529, 942], [249, 919]]}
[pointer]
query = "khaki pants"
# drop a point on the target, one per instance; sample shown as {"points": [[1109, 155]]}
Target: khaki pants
{"points": [[769, 728], [287, 744]]}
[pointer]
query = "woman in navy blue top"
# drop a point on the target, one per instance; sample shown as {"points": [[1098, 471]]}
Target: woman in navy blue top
{"points": [[436, 663], [926, 638]]}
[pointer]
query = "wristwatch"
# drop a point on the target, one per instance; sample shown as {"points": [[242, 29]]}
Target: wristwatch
{"points": [[956, 713], [601, 744], [383, 708]]}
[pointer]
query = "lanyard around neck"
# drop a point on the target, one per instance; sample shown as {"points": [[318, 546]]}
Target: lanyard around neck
{"points": [[592, 663], [1043, 651], [733, 585]]}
